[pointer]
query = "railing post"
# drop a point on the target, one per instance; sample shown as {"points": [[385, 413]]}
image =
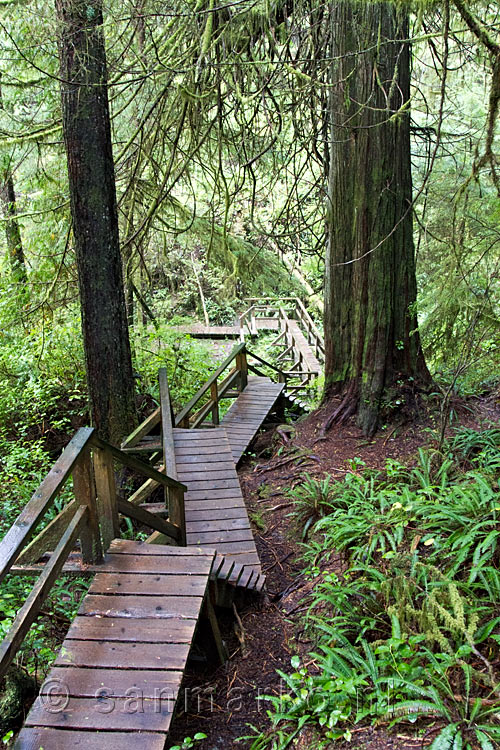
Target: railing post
{"points": [[242, 366], [214, 395], [253, 322], [107, 506], [177, 512], [85, 494]]}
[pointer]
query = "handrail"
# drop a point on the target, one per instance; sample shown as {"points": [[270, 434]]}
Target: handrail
{"points": [[92, 517], [267, 364], [240, 373], [25, 524], [33, 604]]}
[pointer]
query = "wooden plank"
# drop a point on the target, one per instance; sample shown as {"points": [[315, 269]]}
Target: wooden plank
{"points": [[118, 655], [196, 515], [94, 714], [120, 683], [136, 583], [149, 519], [195, 475], [214, 484], [25, 524], [224, 524], [136, 464], [34, 738], [167, 424], [201, 450], [214, 494], [236, 547], [143, 429], [30, 609], [216, 538], [176, 630], [155, 565], [129, 547], [243, 558], [195, 463], [157, 607], [48, 538], [85, 493]]}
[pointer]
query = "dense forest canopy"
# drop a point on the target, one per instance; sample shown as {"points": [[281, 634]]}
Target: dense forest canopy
{"points": [[220, 123]]}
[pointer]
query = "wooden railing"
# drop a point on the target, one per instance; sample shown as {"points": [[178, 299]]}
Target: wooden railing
{"points": [[213, 391], [311, 331], [92, 516], [294, 308]]}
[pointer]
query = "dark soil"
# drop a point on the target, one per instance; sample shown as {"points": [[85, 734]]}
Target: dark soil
{"points": [[271, 629]]}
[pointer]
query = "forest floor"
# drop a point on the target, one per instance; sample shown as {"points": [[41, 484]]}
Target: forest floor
{"points": [[265, 633]]}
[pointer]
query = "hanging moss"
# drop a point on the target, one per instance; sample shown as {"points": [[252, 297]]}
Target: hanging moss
{"points": [[247, 269]]}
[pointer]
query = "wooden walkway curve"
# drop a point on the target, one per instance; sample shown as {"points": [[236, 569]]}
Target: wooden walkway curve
{"points": [[119, 671]]}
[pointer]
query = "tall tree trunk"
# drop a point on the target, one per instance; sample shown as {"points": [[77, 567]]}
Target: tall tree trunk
{"points": [[87, 137], [371, 334], [12, 230]]}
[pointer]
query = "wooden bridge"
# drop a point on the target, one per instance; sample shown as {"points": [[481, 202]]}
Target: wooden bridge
{"points": [[120, 667], [303, 348]]}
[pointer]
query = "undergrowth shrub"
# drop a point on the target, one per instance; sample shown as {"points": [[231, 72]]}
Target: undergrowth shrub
{"points": [[410, 628]]}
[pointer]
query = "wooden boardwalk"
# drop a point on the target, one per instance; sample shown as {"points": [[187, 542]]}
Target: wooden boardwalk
{"points": [[216, 516], [300, 343], [246, 415], [120, 668], [200, 331]]}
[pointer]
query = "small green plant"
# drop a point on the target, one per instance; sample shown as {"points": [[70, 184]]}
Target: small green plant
{"points": [[311, 501], [410, 629], [189, 742]]}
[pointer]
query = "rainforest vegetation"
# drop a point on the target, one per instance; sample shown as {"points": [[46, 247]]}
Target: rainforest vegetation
{"points": [[161, 163]]}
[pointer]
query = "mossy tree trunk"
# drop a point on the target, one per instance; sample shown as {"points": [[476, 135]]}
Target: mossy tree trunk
{"points": [[87, 137], [12, 230], [371, 336]]}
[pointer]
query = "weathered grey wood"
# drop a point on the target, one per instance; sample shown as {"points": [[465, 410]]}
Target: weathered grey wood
{"points": [[146, 489], [30, 609], [85, 494], [132, 630], [105, 482], [87, 683], [25, 524], [34, 738], [48, 538], [149, 519], [136, 464], [92, 715], [180, 418], [167, 425], [168, 584], [111, 655], [158, 607], [143, 429]]}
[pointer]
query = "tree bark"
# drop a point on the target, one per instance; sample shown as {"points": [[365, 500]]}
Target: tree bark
{"points": [[371, 335], [12, 231], [87, 136]]}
